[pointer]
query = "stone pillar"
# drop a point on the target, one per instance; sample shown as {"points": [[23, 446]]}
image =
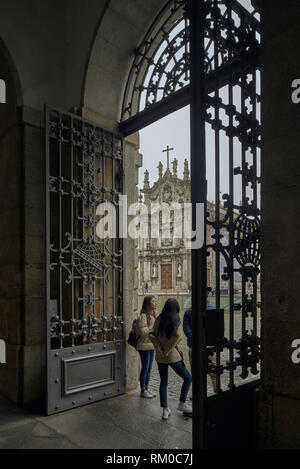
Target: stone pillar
{"points": [[34, 256], [11, 254], [133, 161], [148, 276], [279, 402], [22, 262]]}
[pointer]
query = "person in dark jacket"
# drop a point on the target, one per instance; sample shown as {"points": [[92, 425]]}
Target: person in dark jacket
{"points": [[187, 329]]}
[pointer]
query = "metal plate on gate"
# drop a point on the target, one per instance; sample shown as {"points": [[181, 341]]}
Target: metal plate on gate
{"points": [[88, 372]]}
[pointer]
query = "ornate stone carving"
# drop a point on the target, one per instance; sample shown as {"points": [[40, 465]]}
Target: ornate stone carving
{"points": [[160, 170], [167, 193], [175, 167], [146, 180]]}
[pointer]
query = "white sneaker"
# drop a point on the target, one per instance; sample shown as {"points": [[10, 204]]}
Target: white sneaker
{"points": [[184, 407], [146, 394], [166, 413], [151, 392]]}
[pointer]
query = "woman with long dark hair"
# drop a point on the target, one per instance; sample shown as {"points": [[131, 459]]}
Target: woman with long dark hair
{"points": [[145, 347], [166, 336]]}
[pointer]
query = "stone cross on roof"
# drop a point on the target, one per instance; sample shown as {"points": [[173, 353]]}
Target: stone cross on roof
{"points": [[168, 149]]}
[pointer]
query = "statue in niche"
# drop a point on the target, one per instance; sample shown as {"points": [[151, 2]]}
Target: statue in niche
{"points": [[179, 270], [167, 193], [180, 195], [154, 270]]}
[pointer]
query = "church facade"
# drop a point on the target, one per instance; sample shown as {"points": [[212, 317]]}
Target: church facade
{"points": [[164, 263]]}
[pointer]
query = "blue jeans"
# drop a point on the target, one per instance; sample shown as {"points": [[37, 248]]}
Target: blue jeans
{"points": [[181, 370], [147, 357]]}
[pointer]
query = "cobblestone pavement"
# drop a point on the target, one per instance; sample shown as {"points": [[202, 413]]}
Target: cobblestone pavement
{"points": [[175, 381]]}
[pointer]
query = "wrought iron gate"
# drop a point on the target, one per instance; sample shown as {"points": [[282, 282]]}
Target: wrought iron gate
{"points": [[232, 131], [85, 275], [206, 53]]}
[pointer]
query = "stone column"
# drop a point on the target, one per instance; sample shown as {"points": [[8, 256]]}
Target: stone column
{"points": [[133, 161], [34, 252], [148, 276], [22, 263], [279, 403], [11, 254]]}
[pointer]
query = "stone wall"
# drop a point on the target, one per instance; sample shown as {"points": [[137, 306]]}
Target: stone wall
{"points": [[11, 276], [34, 256], [22, 258], [11, 252], [279, 403]]}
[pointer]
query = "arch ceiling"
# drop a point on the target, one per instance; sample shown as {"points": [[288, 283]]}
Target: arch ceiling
{"points": [[122, 28]]}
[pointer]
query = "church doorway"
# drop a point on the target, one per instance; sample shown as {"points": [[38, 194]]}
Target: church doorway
{"points": [[166, 277]]}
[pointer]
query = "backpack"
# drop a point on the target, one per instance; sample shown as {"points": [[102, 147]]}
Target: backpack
{"points": [[132, 338]]}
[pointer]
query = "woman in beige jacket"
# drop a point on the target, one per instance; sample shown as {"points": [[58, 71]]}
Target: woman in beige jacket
{"points": [[143, 326], [166, 336]]}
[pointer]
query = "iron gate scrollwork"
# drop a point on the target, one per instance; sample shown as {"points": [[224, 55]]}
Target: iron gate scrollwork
{"points": [[85, 274], [233, 130], [159, 78], [161, 63]]}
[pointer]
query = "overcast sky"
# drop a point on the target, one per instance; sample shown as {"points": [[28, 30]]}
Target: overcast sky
{"points": [[174, 131]]}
